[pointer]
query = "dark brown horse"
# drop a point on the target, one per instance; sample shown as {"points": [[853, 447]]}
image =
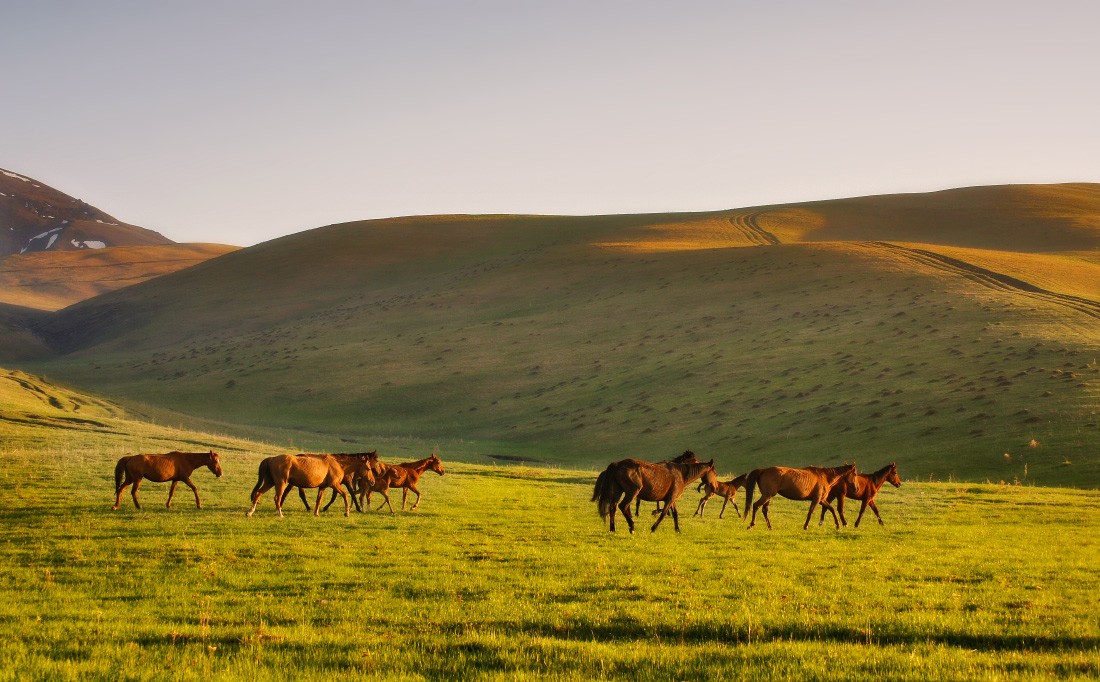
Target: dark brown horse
{"points": [[321, 472], [811, 484], [622, 482], [173, 466], [404, 476], [727, 490], [863, 488], [688, 456]]}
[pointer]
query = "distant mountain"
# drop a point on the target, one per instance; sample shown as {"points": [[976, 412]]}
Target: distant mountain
{"points": [[36, 217], [956, 333]]}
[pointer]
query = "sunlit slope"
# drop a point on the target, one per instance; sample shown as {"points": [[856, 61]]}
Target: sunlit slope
{"points": [[529, 336], [50, 280]]}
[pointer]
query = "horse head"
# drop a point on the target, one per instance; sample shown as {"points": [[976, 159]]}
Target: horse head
{"points": [[215, 464], [892, 475], [435, 464], [687, 458], [365, 467]]}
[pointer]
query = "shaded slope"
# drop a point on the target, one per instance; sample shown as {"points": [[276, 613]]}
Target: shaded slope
{"points": [[524, 335]]}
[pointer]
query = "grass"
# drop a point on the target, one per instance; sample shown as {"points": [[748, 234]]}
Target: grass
{"points": [[548, 348], [507, 572]]}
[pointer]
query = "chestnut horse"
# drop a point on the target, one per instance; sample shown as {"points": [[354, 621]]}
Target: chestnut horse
{"points": [[174, 466], [404, 476], [724, 489], [811, 484], [864, 488], [354, 472], [323, 471], [622, 482]]}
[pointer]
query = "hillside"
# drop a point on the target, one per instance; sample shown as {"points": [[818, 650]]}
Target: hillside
{"points": [[809, 333], [36, 217], [50, 280]]}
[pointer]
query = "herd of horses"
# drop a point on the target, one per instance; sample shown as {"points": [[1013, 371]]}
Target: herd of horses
{"points": [[361, 473], [632, 481], [356, 476]]}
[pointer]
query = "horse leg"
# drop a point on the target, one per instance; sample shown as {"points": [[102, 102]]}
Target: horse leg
{"points": [[280, 493], [133, 492], [198, 503], [256, 495], [874, 508], [664, 512], [703, 505], [301, 494], [813, 505], [417, 503], [171, 492], [759, 504], [347, 505], [767, 505], [624, 507], [826, 505], [840, 510], [118, 491], [386, 497]]}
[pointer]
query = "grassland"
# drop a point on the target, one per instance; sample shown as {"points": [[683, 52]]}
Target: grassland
{"points": [[51, 280], [572, 341], [507, 572]]}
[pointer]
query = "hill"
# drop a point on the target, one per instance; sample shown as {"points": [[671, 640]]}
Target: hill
{"points": [[50, 280], [927, 329], [36, 217]]}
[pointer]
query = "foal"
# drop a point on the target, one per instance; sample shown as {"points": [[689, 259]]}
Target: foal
{"points": [[724, 489]]}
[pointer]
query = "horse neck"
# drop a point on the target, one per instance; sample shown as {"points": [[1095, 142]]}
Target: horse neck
{"points": [[692, 470], [418, 466], [878, 478], [196, 459]]}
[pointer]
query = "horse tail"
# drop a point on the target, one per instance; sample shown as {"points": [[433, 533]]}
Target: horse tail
{"points": [[263, 474], [606, 492], [751, 481], [120, 468]]}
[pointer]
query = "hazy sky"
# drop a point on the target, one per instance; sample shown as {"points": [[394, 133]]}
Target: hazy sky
{"points": [[237, 122]]}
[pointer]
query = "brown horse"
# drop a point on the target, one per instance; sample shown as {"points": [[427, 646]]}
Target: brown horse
{"points": [[727, 490], [404, 476], [688, 456], [794, 484], [174, 466], [356, 468], [323, 471], [863, 488], [624, 481]]}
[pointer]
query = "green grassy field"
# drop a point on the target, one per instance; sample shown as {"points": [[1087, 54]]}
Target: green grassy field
{"points": [[508, 572]]}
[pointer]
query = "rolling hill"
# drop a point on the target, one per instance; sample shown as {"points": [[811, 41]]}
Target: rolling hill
{"points": [[955, 332], [50, 280], [36, 217]]}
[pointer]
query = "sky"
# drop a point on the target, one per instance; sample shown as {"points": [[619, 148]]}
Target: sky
{"points": [[237, 121]]}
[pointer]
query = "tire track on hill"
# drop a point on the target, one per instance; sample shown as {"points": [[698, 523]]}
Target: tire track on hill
{"points": [[749, 225], [990, 278]]}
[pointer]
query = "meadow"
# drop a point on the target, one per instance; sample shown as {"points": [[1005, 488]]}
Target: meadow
{"points": [[508, 573]]}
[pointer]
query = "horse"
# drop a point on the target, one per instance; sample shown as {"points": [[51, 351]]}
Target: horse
{"points": [[354, 471], [688, 456], [726, 489], [404, 476], [321, 471], [174, 466], [863, 488], [794, 484], [622, 482]]}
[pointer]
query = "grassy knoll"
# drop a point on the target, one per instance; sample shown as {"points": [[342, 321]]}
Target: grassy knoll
{"points": [[507, 572]]}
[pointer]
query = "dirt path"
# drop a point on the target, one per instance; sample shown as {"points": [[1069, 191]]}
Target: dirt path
{"points": [[991, 279]]}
